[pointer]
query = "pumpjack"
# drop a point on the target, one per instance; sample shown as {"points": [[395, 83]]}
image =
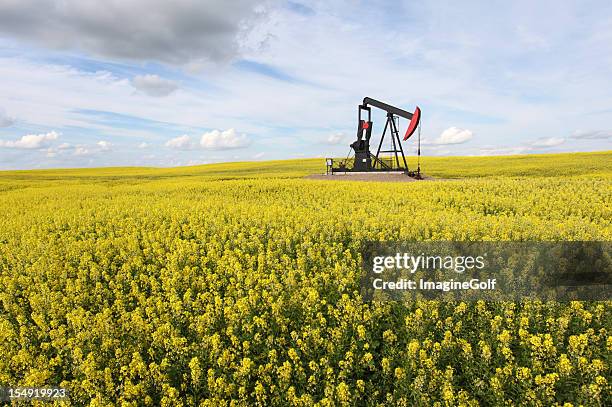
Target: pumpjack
{"points": [[394, 159]]}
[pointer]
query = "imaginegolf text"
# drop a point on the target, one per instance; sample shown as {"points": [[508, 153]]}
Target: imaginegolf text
{"points": [[446, 285]]}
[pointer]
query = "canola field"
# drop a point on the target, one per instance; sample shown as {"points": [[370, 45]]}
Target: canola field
{"points": [[238, 285]]}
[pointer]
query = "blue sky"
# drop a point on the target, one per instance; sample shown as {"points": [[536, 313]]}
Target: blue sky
{"points": [[159, 83]]}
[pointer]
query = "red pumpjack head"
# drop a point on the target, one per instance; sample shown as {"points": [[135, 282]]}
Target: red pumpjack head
{"points": [[414, 123]]}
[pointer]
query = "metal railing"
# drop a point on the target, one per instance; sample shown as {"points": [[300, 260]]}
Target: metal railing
{"points": [[383, 163], [339, 164]]}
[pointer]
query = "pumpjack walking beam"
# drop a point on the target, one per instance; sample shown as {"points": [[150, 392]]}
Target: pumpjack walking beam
{"points": [[388, 108], [414, 118]]}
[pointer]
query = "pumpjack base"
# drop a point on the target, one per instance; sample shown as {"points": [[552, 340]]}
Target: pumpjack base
{"points": [[373, 176], [348, 172]]}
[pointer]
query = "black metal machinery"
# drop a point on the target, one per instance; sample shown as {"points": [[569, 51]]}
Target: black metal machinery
{"points": [[364, 160]]}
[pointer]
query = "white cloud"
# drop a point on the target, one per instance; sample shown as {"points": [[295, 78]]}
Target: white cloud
{"points": [[5, 120], [143, 145], [196, 162], [212, 140], [223, 140], [104, 145], [592, 134], [505, 150], [81, 151], [548, 142], [336, 138], [452, 135], [259, 155], [58, 151], [527, 147], [153, 85], [180, 143], [31, 141]]}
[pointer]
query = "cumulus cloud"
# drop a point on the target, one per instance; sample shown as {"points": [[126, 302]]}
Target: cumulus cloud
{"points": [[143, 145], [452, 135], [5, 120], [180, 143], [335, 138], [223, 140], [592, 134], [212, 140], [31, 141], [105, 145], [56, 151], [81, 151], [176, 32], [153, 85], [548, 142]]}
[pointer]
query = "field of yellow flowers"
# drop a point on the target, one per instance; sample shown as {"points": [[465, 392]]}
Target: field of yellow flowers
{"points": [[238, 284]]}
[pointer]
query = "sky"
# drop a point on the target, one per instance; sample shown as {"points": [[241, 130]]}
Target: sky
{"points": [[85, 83]]}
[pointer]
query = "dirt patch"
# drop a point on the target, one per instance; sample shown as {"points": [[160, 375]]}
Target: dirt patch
{"points": [[369, 176]]}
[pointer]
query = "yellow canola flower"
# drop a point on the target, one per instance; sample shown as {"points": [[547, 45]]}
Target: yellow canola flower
{"points": [[239, 285], [564, 366]]}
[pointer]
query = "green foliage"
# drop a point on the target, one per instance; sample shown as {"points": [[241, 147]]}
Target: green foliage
{"points": [[201, 285]]}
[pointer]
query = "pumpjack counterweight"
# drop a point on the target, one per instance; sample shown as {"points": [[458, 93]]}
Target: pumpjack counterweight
{"points": [[391, 159]]}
